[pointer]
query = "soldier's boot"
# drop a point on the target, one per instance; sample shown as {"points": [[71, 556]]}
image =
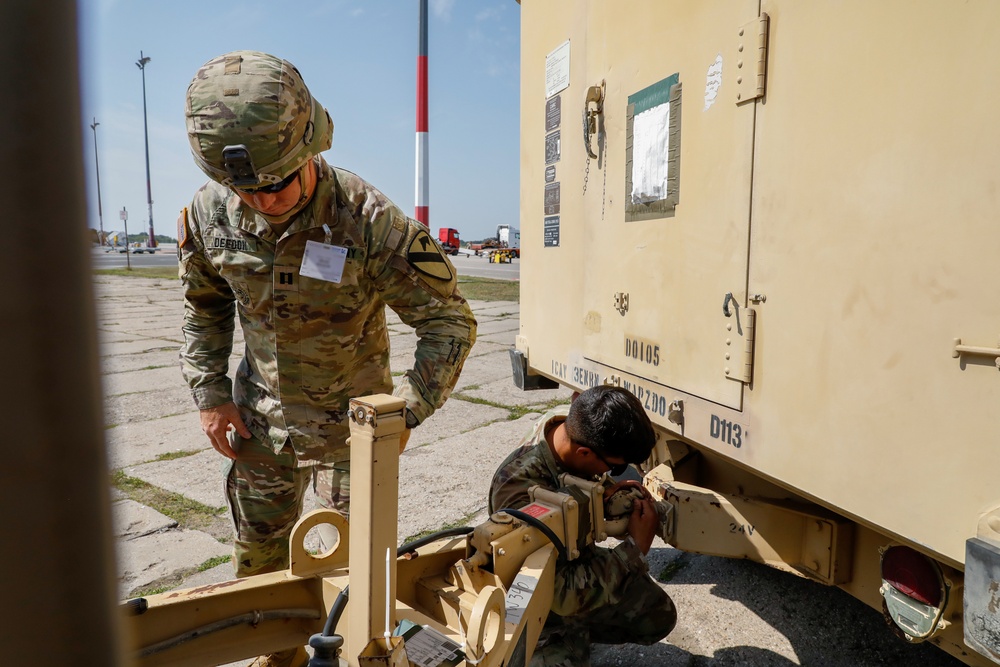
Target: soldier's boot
{"points": [[293, 657]]}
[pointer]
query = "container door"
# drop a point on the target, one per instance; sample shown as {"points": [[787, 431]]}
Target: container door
{"points": [[666, 200]]}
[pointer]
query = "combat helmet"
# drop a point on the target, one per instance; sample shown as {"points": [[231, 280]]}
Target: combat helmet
{"points": [[252, 121]]}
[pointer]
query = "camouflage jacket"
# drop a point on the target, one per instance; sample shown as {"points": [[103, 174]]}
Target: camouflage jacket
{"points": [[598, 577], [312, 344]]}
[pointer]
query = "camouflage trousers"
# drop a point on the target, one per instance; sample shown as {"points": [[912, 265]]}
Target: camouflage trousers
{"points": [[265, 490], [645, 615]]}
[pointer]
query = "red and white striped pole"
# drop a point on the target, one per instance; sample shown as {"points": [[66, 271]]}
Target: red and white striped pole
{"points": [[422, 212]]}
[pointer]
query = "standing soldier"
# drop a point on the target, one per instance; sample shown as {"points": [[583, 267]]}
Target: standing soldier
{"points": [[309, 255]]}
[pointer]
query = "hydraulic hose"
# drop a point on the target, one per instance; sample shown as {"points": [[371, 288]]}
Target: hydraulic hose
{"points": [[341, 602], [535, 523]]}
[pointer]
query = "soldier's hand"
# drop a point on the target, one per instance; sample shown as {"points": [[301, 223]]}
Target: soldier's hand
{"points": [[403, 438], [642, 524], [627, 484], [216, 422]]}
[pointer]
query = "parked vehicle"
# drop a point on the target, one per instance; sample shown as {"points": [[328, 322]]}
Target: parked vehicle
{"points": [[778, 229], [449, 240]]}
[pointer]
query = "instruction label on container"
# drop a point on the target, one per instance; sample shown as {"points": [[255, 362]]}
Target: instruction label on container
{"points": [[557, 69], [551, 231], [553, 113]]}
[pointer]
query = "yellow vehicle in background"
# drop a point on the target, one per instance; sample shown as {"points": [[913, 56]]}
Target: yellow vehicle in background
{"points": [[783, 219]]}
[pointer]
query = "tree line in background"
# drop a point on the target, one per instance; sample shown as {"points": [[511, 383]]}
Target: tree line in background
{"points": [[118, 238]]}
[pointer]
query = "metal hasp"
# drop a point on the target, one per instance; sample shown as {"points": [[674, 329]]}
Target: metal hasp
{"points": [[751, 60], [739, 336], [800, 538], [376, 422]]}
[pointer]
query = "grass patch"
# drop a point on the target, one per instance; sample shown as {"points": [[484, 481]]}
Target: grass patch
{"points": [[480, 289], [189, 514], [517, 412], [489, 289], [172, 581], [151, 590], [214, 562], [170, 456], [672, 568], [514, 412], [168, 272]]}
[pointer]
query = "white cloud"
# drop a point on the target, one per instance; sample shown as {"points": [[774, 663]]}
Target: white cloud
{"points": [[442, 8]]}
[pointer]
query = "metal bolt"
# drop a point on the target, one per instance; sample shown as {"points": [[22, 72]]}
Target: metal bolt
{"points": [[501, 552]]}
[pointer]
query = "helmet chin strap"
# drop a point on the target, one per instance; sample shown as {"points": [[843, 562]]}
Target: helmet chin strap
{"points": [[304, 198]]}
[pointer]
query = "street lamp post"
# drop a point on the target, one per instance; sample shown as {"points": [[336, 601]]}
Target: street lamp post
{"points": [[141, 64], [124, 216], [100, 213]]}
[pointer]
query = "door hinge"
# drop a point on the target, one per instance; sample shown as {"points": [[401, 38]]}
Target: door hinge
{"points": [[751, 60]]}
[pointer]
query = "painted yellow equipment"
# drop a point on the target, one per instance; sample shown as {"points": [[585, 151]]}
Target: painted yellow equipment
{"points": [[459, 598], [782, 220], [502, 256]]}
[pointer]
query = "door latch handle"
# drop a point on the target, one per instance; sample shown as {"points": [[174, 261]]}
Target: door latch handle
{"points": [[958, 350], [595, 97]]}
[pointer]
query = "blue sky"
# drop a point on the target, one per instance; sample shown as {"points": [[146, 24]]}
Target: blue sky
{"points": [[358, 58]]}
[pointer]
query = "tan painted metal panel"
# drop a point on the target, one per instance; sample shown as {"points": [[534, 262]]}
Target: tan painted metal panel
{"points": [[874, 238], [676, 270], [865, 185]]}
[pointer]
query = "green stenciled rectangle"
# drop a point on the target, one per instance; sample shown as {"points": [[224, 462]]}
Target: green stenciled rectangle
{"points": [[654, 95]]}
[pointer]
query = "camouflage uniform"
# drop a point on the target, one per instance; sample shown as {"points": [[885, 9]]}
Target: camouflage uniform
{"points": [[311, 344], [606, 596]]}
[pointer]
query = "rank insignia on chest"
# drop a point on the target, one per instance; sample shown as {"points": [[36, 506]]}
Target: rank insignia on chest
{"points": [[425, 256]]}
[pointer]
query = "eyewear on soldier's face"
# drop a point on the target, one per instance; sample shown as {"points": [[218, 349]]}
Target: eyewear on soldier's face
{"points": [[614, 469], [272, 189]]}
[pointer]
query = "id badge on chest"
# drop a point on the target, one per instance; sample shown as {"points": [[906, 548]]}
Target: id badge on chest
{"points": [[323, 261]]}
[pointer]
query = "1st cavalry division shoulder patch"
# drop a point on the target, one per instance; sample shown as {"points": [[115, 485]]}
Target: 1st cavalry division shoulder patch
{"points": [[182, 228], [425, 256]]}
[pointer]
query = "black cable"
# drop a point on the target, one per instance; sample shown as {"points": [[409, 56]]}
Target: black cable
{"points": [[534, 522], [341, 602], [434, 537]]}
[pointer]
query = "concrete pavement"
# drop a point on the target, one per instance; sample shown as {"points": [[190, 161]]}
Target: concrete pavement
{"points": [[730, 612]]}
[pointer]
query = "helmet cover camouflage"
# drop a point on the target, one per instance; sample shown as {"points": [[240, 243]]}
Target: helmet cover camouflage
{"points": [[258, 101]]}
